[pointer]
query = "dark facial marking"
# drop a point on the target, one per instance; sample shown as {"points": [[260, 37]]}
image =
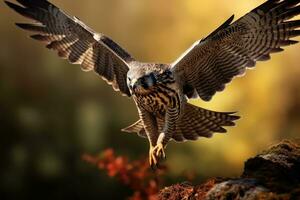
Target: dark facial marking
{"points": [[147, 81]]}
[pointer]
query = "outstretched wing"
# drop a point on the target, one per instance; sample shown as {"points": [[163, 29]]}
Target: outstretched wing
{"points": [[212, 62], [75, 41]]}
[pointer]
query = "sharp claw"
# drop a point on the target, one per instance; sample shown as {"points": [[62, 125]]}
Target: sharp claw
{"points": [[156, 154], [160, 155], [157, 165], [153, 167], [159, 148], [152, 158]]}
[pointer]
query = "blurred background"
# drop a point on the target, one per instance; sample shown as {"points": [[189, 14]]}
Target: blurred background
{"points": [[51, 112]]}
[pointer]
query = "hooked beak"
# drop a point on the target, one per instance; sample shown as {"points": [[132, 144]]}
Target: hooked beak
{"points": [[134, 84]]}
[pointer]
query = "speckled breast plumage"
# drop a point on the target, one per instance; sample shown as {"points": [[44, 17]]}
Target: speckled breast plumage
{"points": [[158, 100]]}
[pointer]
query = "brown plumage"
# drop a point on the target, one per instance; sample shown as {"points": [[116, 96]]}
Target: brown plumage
{"points": [[233, 47], [161, 91], [194, 122]]}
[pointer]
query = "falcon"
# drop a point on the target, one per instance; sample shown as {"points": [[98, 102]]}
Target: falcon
{"points": [[161, 91]]}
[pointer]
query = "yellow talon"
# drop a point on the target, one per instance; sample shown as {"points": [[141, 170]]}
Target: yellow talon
{"points": [[152, 157], [156, 153], [159, 149]]}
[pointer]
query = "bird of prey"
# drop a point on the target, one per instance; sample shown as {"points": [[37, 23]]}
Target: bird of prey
{"points": [[161, 91]]}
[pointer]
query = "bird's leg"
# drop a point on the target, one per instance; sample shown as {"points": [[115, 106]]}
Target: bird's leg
{"points": [[153, 161], [170, 127], [151, 129], [160, 146]]}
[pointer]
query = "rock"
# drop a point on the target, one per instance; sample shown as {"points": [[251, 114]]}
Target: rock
{"points": [[278, 168], [272, 175]]}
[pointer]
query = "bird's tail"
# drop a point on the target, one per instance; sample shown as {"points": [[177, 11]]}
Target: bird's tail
{"points": [[198, 122], [194, 122], [137, 127]]}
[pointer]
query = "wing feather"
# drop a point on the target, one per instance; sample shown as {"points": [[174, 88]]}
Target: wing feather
{"points": [[227, 52], [75, 41]]}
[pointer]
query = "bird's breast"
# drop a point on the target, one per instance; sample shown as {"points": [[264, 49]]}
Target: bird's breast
{"points": [[158, 100]]}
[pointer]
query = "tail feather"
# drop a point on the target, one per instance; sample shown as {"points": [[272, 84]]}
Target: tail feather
{"points": [[198, 122], [137, 127], [194, 122]]}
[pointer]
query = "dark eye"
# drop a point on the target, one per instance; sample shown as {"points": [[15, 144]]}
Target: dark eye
{"points": [[143, 82], [152, 76], [168, 72]]}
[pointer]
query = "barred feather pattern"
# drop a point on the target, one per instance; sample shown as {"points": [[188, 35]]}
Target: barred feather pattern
{"points": [[213, 62], [194, 122], [163, 110], [198, 122], [201, 71], [150, 126], [160, 102], [75, 41], [159, 98], [137, 127]]}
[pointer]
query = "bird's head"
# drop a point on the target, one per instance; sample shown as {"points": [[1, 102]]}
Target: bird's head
{"points": [[144, 79], [138, 83]]}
